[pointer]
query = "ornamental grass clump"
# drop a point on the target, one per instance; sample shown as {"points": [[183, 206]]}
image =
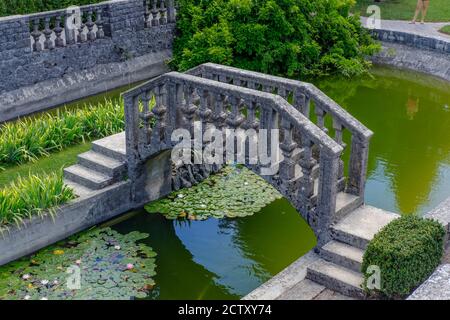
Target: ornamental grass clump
{"points": [[406, 251], [30, 196], [30, 138]]}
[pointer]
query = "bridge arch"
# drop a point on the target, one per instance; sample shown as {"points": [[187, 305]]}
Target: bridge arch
{"points": [[311, 169]]}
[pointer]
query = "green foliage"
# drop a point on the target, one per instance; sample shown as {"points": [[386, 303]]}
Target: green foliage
{"points": [[31, 196], [293, 38], [13, 7], [29, 138], [407, 251], [445, 29], [112, 266], [233, 192]]}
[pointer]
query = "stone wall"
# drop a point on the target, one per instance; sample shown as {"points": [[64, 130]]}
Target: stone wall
{"points": [[412, 40], [40, 47]]}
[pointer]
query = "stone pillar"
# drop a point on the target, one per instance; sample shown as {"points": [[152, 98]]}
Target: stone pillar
{"points": [[323, 217], [358, 165], [123, 16], [15, 47]]}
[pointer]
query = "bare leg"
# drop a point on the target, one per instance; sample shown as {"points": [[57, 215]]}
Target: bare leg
{"points": [[418, 9], [426, 4]]}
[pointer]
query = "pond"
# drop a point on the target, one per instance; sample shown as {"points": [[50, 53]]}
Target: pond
{"points": [[409, 157], [409, 172]]}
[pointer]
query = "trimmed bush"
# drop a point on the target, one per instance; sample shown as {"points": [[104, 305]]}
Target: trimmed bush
{"points": [[294, 38], [32, 196], [407, 251], [29, 138]]}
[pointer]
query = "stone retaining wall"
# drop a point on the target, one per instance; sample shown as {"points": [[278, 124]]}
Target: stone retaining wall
{"points": [[40, 47]]}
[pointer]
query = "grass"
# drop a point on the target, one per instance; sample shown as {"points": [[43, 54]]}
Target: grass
{"points": [[31, 196], [438, 11], [31, 138], [445, 29], [45, 165]]}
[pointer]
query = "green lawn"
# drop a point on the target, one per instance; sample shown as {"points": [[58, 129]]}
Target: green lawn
{"points": [[445, 29], [53, 163], [438, 11]]}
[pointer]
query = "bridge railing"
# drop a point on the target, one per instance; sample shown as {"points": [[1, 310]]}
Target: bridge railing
{"points": [[154, 109], [307, 99]]}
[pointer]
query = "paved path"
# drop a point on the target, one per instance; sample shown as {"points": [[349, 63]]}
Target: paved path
{"points": [[428, 29]]}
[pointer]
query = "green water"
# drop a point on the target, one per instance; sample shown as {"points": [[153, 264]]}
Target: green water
{"points": [[409, 158]]}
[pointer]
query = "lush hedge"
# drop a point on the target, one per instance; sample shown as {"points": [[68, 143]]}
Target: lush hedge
{"points": [[283, 37], [407, 251], [30, 196], [29, 138], [12, 7]]}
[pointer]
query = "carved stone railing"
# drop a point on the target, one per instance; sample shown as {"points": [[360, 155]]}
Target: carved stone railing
{"points": [[159, 12], [305, 97], [154, 109], [60, 28]]}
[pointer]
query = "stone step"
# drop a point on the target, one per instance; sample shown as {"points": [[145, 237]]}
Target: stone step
{"points": [[346, 203], [103, 164], [113, 146], [78, 189], [87, 178], [337, 278], [359, 226], [343, 255]]}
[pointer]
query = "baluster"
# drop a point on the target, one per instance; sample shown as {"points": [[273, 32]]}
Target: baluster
{"points": [[147, 14], [189, 110], [287, 167], [147, 116], [252, 122], [99, 23], [81, 35], [307, 163], [251, 85], [204, 112], [90, 25], [338, 128], [282, 92], [219, 115], [160, 111], [302, 103], [235, 119], [48, 43], [320, 113], [162, 13], [36, 34], [59, 41], [155, 11]]}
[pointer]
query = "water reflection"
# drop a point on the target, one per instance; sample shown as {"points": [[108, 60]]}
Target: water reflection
{"points": [[410, 152], [222, 259]]}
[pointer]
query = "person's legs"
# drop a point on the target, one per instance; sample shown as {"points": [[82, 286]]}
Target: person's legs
{"points": [[426, 4], [418, 9]]}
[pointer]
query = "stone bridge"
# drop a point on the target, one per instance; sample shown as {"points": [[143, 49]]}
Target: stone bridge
{"points": [[311, 172]]}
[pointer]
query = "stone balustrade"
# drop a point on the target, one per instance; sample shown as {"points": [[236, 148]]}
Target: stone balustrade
{"points": [[56, 44], [59, 28], [309, 100], [309, 180]]}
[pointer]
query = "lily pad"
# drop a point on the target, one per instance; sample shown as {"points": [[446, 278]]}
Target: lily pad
{"points": [[101, 257], [233, 192]]}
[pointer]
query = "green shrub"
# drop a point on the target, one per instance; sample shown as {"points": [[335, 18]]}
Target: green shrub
{"points": [[293, 38], [30, 138], [13, 7], [407, 251], [31, 196]]}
